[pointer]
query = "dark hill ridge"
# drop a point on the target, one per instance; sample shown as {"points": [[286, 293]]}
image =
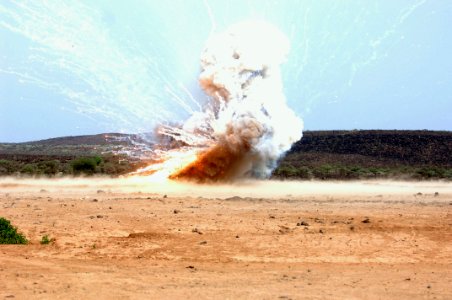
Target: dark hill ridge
{"points": [[97, 139], [409, 147]]}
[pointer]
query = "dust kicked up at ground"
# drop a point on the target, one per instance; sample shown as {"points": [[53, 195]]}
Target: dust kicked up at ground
{"points": [[131, 238]]}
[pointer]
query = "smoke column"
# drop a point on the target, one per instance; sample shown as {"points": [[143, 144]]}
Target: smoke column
{"points": [[246, 126]]}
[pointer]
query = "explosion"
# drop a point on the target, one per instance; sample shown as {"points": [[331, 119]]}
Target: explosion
{"points": [[246, 125]]}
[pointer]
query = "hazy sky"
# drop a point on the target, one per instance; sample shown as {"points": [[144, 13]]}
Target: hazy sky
{"points": [[84, 67]]}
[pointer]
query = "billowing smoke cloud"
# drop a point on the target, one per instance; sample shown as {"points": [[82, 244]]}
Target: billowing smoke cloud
{"points": [[247, 125]]}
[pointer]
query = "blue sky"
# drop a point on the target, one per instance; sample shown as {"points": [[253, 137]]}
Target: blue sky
{"points": [[72, 68]]}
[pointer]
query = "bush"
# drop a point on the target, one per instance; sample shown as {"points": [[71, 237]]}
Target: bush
{"points": [[9, 234], [86, 165], [7, 167], [287, 171], [49, 167], [29, 169], [433, 172], [45, 240]]}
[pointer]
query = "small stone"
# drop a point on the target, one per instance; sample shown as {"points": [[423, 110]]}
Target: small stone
{"points": [[195, 230], [302, 223], [95, 200], [176, 211], [366, 220], [203, 243]]}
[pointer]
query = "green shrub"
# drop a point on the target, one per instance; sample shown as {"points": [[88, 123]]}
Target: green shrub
{"points": [[45, 240], [29, 169], [304, 172], [432, 172], [9, 234], [287, 171], [49, 167], [86, 165], [7, 167]]}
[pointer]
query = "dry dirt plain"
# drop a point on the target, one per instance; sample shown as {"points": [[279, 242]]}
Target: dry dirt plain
{"points": [[134, 239]]}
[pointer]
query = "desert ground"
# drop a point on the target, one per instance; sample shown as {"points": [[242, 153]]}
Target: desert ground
{"points": [[130, 238]]}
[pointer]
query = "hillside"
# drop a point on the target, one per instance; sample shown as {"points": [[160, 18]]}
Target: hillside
{"points": [[318, 155], [409, 147], [369, 154]]}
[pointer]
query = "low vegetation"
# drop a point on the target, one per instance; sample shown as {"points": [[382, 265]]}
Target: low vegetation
{"points": [[45, 240], [343, 155], [9, 234], [51, 166], [344, 172], [323, 155]]}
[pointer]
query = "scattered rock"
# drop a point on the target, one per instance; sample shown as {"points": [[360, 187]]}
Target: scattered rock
{"points": [[237, 237], [366, 220], [203, 242], [436, 194], [191, 267], [176, 211], [100, 191], [352, 228], [302, 223], [429, 286], [195, 230], [43, 191], [165, 196], [419, 194], [283, 229], [95, 200], [234, 198], [271, 216], [407, 279], [321, 231], [99, 216]]}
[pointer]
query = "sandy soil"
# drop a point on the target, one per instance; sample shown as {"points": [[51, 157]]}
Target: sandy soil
{"points": [[129, 238]]}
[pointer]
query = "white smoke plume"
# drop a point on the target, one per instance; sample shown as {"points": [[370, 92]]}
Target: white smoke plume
{"points": [[247, 126]]}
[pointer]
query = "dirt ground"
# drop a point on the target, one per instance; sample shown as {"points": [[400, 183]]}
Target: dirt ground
{"points": [[133, 239]]}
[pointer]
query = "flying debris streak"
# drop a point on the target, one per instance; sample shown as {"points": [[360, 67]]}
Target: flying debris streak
{"points": [[211, 17]]}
